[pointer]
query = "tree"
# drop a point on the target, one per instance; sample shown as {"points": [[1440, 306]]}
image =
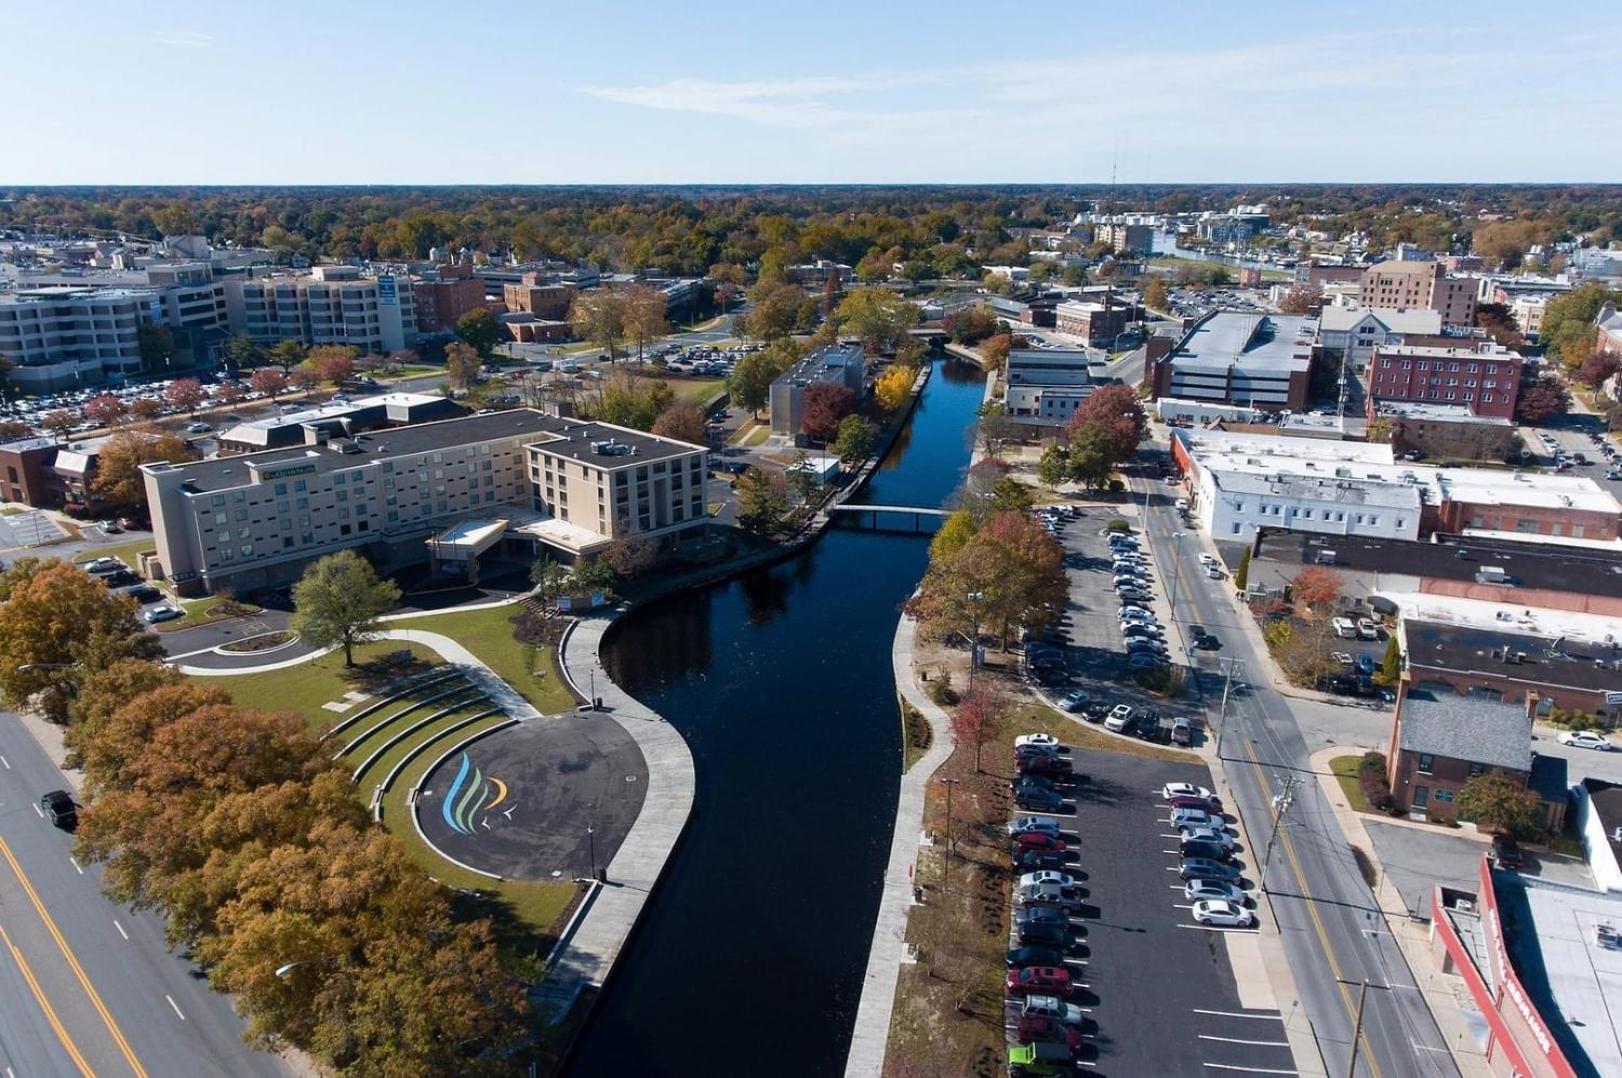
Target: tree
{"points": [[970, 325], [52, 615], [630, 557], [1116, 415], [186, 393], [954, 534], [593, 575], [630, 400], [826, 405], [855, 440], [1008, 574], [243, 352], [1241, 575], [339, 601], [645, 316], [878, 316], [1011, 496], [1053, 469], [228, 394], [119, 479], [105, 410], [269, 381], [1315, 588], [777, 311], [462, 364], [752, 376], [682, 421], [1500, 803], [1542, 400], [1391, 662], [145, 409], [1567, 329], [288, 353], [480, 329], [994, 352], [59, 422], [762, 500], [13, 429], [893, 387], [1154, 294], [335, 363], [1598, 367], [550, 577], [599, 316], [1092, 461], [1301, 299], [156, 344], [304, 377], [979, 715]]}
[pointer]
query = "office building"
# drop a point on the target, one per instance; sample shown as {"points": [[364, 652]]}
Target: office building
{"points": [[1420, 284], [833, 364], [1047, 385], [1478, 375], [332, 305], [1096, 322], [1355, 332], [442, 299], [1126, 239], [519, 479], [1232, 357], [534, 295]]}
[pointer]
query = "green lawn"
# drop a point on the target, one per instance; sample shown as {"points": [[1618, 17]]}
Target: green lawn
{"points": [[701, 391], [126, 551], [305, 687], [752, 436], [489, 635], [201, 612], [411, 370], [1345, 769], [381, 765]]}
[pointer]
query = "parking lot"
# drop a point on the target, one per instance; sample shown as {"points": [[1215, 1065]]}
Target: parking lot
{"points": [[1155, 990], [27, 529]]}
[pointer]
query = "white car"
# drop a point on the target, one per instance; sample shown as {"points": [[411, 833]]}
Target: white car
{"points": [[1119, 715], [1036, 739], [1191, 817], [1214, 891], [1183, 789], [1207, 560], [1366, 630], [1135, 613], [1052, 1007], [1586, 739], [1062, 879], [1218, 835], [1221, 913]]}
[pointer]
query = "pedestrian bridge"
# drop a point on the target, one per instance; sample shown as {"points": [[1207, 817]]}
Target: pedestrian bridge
{"points": [[910, 518]]}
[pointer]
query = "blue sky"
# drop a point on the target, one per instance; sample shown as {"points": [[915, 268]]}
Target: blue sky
{"points": [[815, 92]]}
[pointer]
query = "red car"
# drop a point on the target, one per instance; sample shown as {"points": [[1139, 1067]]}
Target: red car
{"points": [[1037, 840], [1193, 801], [1044, 765], [1048, 980], [1034, 1028]]}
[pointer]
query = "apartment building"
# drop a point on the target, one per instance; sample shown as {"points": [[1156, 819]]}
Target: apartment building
{"points": [[332, 305], [520, 478], [1233, 357], [1355, 332], [1096, 322], [1481, 376], [1420, 284], [535, 295], [447, 296], [835, 364], [1126, 239]]}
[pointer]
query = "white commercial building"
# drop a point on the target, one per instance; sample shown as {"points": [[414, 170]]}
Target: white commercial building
{"points": [[1358, 331], [333, 305]]}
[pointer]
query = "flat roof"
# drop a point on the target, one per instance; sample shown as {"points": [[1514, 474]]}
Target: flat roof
{"points": [[332, 411], [1582, 665], [1552, 934], [1527, 564], [1605, 798], [1262, 342], [572, 438], [1436, 413], [1441, 722], [1321, 488]]}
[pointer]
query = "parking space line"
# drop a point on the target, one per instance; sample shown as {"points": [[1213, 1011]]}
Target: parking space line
{"points": [[37, 811], [76, 866], [176, 1006], [5, 761], [1242, 1014], [1247, 1070], [1220, 928], [1236, 1040], [120, 928]]}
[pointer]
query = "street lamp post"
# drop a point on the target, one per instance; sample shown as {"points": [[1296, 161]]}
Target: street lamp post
{"points": [[975, 598], [946, 863], [591, 844]]}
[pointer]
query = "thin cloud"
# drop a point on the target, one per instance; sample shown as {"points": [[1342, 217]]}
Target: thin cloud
{"points": [[180, 39]]}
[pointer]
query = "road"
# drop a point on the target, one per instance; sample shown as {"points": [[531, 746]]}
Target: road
{"points": [[87, 986], [1333, 935]]}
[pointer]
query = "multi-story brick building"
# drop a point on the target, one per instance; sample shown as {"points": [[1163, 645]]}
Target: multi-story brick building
{"points": [[1096, 322], [1420, 284], [1481, 376], [534, 295], [564, 485], [447, 297]]}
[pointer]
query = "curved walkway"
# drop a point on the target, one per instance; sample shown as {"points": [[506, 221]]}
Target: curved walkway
{"points": [[871, 1034], [586, 954]]}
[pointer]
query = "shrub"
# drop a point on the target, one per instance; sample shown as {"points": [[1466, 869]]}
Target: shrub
{"points": [[1371, 780], [1116, 524], [1116, 486], [942, 692]]}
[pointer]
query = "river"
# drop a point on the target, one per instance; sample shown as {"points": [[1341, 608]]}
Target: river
{"points": [[750, 957]]}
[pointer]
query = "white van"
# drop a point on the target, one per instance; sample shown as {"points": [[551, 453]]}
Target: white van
{"points": [[1345, 628]]}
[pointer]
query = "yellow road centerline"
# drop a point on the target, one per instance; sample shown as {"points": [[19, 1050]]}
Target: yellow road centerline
{"points": [[45, 1005], [73, 962]]}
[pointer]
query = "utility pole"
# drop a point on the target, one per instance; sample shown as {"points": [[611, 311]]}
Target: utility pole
{"points": [[946, 863], [1234, 666], [1357, 1026], [1281, 805]]}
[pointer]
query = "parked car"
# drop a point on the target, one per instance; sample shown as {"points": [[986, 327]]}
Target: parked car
{"points": [[1182, 732], [1585, 739], [1038, 860], [1022, 824], [1211, 804], [1075, 700], [1039, 1058], [1041, 915], [1048, 894], [1203, 868], [1052, 1007], [1039, 1029], [1344, 628], [1210, 851], [1038, 797], [1213, 890], [1022, 957], [162, 613], [59, 808], [1043, 979], [1038, 840], [1044, 935], [1505, 853], [1119, 716], [143, 592], [1366, 630], [1052, 766], [1036, 739], [103, 566], [1061, 879], [1220, 913], [1184, 789], [1216, 835], [1193, 817]]}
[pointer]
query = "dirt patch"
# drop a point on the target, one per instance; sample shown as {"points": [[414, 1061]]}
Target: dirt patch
{"points": [[259, 643]]}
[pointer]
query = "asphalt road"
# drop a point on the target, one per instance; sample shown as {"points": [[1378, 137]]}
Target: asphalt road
{"points": [[79, 974], [1333, 935]]}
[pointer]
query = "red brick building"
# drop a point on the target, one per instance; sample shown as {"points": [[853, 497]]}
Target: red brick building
{"points": [[548, 302], [440, 303], [1480, 376]]}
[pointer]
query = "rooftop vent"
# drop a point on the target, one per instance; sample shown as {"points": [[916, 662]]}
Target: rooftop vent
{"points": [[612, 448]]}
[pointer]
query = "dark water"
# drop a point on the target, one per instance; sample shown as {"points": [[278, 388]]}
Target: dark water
{"points": [[750, 958]]}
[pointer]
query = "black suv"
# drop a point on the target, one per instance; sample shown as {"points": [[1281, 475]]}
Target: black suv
{"points": [[1505, 853], [60, 810]]}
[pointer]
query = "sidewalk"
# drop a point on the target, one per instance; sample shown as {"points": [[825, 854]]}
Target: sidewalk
{"points": [[1412, 937], [586, 955], [871, 1034]]}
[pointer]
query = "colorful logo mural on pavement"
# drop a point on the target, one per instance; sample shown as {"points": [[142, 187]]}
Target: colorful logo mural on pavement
{"points": [[473, 796]]}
